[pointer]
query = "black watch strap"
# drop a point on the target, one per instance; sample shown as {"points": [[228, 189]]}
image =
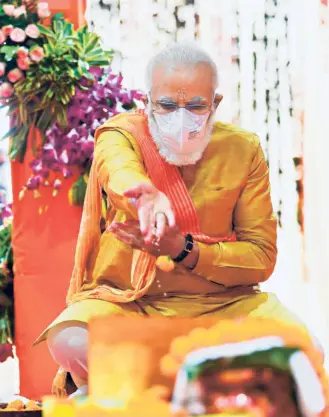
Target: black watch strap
{"points": [[189, 243]]}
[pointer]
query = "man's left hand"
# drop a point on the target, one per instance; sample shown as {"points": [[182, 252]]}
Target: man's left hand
{"points": [[171, 243]]}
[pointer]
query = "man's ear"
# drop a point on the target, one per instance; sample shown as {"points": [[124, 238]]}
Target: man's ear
{"points": [[217, 100]]}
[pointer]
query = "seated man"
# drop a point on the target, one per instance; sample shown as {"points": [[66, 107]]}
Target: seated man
{"points": [[178, 184]]}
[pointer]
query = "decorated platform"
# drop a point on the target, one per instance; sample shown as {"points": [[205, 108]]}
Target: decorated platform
{"points": [[181, 367]]}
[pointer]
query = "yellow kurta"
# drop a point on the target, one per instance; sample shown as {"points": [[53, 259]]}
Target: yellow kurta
{"points": [[230, 190]]}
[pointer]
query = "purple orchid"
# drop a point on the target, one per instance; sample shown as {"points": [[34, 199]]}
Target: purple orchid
{"points": [[72, 148], [5, 211]]}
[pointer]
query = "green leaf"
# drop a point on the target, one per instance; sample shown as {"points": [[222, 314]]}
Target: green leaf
{"points": [[91, 45], [70, 59], [83, 64], [61, 116], [49, 94], [78, 192], [88, 76], [78, 73], [96, 52], [9, 51], [57, 16], [18, 144], [46, 31], [77, 48], [68, 29], [80, 36], [57, 26], [49, 49], [44, 120], [83, 87], [72, 90], [10, 132]]}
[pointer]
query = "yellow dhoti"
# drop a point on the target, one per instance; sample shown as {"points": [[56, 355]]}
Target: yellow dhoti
{"points": [[264, 305]]}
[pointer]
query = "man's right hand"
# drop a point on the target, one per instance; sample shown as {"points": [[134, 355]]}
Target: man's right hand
{"points": [[154, 210]]}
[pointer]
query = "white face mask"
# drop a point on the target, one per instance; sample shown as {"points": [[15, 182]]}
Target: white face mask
{"points": [[181, 136]]}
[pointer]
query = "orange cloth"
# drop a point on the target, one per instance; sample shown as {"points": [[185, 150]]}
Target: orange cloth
{"points": [[167, 179], [44, 251], [43, 247]]}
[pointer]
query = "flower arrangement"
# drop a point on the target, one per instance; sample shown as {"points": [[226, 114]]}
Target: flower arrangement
{"points": [[68, 149], [54, 80], [20, 40], [42, 67]]}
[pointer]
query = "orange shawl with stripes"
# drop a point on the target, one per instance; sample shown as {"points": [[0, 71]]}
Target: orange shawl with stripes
{"points": [[166, 178]]}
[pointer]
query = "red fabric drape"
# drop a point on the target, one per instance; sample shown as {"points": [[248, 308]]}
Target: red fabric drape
{"points": [[44, 247]]}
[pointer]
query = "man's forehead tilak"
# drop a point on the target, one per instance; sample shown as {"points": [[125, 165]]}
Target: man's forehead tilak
{"points": [[182, 93]]}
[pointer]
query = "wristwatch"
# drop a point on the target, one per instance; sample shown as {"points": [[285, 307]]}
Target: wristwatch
{"points": [[189, 244]]}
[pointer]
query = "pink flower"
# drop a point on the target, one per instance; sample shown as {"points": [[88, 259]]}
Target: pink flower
{"points": [[7, 30], [18, 35], [19, 11], [6, 90], [37, 54], [23, 63], [2, 37], [32, 31], [22, 52], [43, 10], [9, 9], [2, 69], [14, 75]]}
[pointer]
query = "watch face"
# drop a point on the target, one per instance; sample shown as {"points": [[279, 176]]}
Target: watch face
{"points": [[189, 246]]}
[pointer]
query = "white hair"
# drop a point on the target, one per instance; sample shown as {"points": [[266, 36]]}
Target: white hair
{"points": [[182, 53]]}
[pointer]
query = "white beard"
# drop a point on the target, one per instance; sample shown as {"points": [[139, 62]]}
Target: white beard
{"points": [[168, 155]]}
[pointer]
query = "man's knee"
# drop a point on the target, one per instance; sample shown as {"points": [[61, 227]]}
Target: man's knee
{"points": [[68, 346]]}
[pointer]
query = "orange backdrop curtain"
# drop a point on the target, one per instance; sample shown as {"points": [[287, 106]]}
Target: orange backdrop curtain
{"points": [[43, 251]]}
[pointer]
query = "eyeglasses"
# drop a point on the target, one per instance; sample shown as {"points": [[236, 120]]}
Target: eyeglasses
{"points": [[164, 107]]}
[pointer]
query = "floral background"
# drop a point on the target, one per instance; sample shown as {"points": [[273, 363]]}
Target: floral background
{"points": [[20, 40]]}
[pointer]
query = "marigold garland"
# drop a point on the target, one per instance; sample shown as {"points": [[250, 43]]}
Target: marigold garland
{"points": [[230, 331]]}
